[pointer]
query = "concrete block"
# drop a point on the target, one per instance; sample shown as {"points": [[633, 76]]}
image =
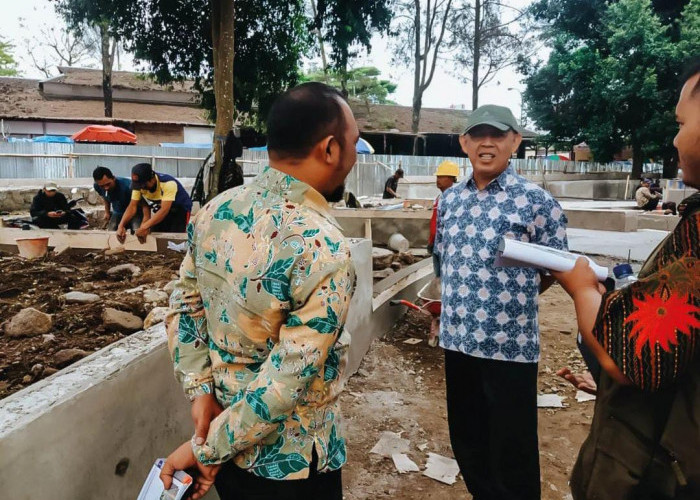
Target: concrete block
{"points": [[63, 437], [604, 220]]}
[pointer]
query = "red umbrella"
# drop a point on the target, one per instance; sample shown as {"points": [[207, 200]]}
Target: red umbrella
{"points": [[105, 133]]}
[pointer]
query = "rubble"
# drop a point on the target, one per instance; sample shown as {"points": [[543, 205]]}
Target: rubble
{"points": [[133, 269], [28, 323], [67, 356], [157, 296], [115, 319], [157, 315], [80, 297]]}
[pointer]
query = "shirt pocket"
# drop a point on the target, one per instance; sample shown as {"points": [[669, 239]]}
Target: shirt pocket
{"points": [[515, 228]]}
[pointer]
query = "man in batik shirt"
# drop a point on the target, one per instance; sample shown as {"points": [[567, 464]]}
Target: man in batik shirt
{"points": [[259, 310], [489, 322], [645, 437]]}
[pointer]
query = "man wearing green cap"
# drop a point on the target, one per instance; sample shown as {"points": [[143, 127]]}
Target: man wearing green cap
{"points": [[488, 325]]}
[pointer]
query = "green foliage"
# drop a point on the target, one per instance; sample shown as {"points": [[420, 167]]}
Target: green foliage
{"points": [[174, 40], [612, 76], [363, 83], [8, 66], [347, 25]]}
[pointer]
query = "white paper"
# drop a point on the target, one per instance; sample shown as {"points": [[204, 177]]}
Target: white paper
{"points": [[403, 463], [178, 247], [513, 253], [441, 468], [153, 488], [582, 396], [549, 401], [390, 443]]}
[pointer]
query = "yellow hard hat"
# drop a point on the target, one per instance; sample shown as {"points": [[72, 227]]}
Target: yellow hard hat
{"points": [[448, 168]]}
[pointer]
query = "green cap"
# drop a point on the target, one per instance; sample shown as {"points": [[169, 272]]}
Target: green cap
{"points": [[498, 117]]}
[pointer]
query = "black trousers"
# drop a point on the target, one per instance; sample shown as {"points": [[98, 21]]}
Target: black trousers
{"points": [[234, 483], [174, 222], [492, 415]]}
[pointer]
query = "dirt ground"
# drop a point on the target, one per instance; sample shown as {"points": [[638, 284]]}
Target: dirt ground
{"points": [[41, 283], [399, 387], [403, 390]]}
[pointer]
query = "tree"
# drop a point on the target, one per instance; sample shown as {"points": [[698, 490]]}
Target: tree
{"points": [[348, 25], [484, 42], [612, 87], [50, 47], [101, 16], [363, 84], [192, 40], [421, 27], [8, 66]]}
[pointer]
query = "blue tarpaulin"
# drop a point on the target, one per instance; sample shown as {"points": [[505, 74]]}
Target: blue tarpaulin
{"points": [[43, 138], [54, 138]]}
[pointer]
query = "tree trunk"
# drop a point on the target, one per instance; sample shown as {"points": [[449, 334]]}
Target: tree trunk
{"points": [[477, 54], [670, 166], [222, 20], [637, 159], [417, 91], [314, 10], [107, 63]]}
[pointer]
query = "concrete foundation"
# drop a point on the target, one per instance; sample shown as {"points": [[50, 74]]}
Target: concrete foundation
{"points": [[63, 437]]}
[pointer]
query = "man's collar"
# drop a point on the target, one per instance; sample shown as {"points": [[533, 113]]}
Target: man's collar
{"points": [[296, 191], [499, 182]]}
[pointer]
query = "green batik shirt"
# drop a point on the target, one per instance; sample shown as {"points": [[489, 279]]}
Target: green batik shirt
{"points": [[257, 318]]}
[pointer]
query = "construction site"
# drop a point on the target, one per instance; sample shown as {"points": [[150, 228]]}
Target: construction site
{"points": [[83, 347]]}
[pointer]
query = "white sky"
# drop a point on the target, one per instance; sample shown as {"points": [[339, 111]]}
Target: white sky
{"points": [[446, 90]]}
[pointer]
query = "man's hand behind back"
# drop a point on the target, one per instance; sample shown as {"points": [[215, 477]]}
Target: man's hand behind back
{"points": [[204, 409]]}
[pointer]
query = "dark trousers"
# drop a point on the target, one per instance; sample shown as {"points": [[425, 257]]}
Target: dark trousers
{"points": [[492, 415], [175, 222], [234, 483]]}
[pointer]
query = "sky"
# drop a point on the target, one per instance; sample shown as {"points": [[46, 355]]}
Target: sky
{"points": [[445, 91]]}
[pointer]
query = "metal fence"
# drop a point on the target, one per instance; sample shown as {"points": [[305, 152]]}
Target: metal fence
{"points": [[57, 161]]}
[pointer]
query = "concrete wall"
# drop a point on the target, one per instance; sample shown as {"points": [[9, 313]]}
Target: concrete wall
{"points": [[414, 225], [589, 189], [63, 437]]}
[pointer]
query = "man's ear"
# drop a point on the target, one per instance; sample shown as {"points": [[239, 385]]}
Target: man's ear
{"points": [[463, 142], [516, 144], [331, 149]]}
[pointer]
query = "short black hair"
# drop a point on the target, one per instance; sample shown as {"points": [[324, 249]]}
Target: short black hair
{"points": [[301, 117], [100, 172], [691, 68], [399, 172]]}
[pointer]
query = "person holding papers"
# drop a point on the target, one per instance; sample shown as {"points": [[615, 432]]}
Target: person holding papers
{"points": [[488, 325], [645, 436]]}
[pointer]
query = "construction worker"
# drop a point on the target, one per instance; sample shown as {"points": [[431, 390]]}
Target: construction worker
{"points": [[166, 205], [445, 176]]}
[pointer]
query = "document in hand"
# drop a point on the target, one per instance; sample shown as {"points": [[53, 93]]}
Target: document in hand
{"points": [[513, 253], [153, 488]]}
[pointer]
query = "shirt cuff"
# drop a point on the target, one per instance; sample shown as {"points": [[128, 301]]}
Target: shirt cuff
{"points": [[199, 390]]}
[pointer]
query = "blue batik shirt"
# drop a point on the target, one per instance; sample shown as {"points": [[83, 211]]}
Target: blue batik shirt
{"points": [[487, 311]]}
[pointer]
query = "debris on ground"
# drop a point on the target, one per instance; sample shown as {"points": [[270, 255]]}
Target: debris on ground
{"points": [[52, 297], [389, 444], [404, 464], [443, 469], [582, 396], [549, 401]]}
